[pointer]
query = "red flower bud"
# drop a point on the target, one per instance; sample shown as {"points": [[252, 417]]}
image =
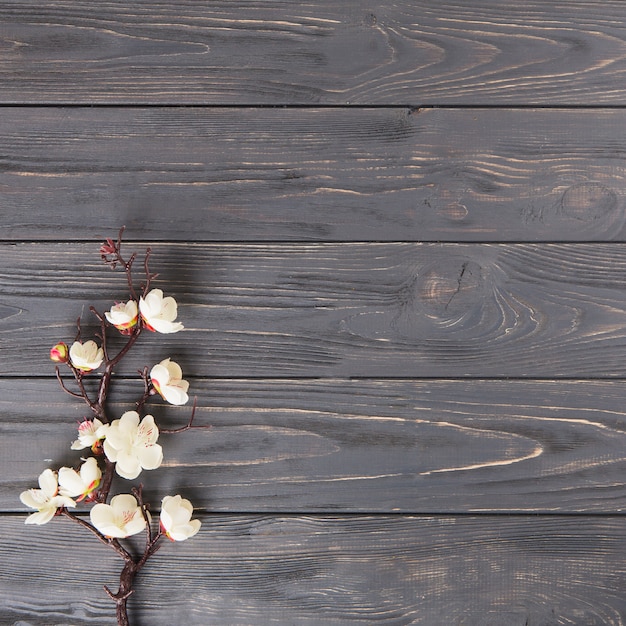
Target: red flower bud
{"points": [[108, 247], [59, 353]]}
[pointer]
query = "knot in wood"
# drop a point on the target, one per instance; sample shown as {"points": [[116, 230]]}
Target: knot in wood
{"points": [[451, 287], [588, 201]]}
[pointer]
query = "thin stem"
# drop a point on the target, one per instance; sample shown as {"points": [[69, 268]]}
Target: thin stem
{"points": [[94, 406], [77, 337], [69, 391], [83, 395], [111, 254], [151, 548], [103, 331], [171, 431], [149, 276], [110, 364], [113, 543], [129, 277], [148, 389]]}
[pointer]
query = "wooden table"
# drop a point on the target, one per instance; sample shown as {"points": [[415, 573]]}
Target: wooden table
{"points": [[396, 235]]}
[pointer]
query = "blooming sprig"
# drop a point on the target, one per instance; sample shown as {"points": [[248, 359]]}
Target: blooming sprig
{"points": [[124, 446], [46, 499]]}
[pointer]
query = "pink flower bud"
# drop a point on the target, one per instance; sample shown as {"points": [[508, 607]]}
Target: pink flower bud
{"points": [[59, 353], [108, 247]]}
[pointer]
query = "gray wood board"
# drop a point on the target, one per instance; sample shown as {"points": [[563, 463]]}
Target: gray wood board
{"points": [[352, 446], [250, 174], [377, 310], [432, 571], [425, 52]]}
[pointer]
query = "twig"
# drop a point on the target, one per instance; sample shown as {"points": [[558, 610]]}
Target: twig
{"points": [[113, 543], [148, 389], [149, 277], [103, 331], [111, 363], [69, 391], [171, 431]]}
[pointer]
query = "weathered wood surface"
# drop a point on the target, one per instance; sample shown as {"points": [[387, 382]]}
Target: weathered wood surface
{"points": [[425, 52], [351, 367], [340, 445], [313, 174], [379, 310], [431, 571]]}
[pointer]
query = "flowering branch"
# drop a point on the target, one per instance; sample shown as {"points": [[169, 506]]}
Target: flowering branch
{"points": [[125, 446]]}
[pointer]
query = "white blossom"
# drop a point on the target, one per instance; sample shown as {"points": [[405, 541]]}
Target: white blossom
{"points": [[86, 356], [74, 484], [158, 313], [123, 315], [176, 518], [90, 432], [167, 378], [131, 445], [122, 518], [46, 499]]}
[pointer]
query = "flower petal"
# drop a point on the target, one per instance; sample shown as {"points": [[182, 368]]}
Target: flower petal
{"points": [[150, 457], [33, 498], [104, 519], [89, 471], [110, 450], [165, 327], [176, 394], [62, 501], [136, 523], [41, 517], [48, 482], [128, 466], [70, 482], [160, 374], [148, 432], [129, 421], [173, 368]]}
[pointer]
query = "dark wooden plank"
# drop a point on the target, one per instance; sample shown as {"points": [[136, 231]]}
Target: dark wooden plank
{"points": [[426, 52], [339, 445], [401, 310], [313, 174], [331, 570]]}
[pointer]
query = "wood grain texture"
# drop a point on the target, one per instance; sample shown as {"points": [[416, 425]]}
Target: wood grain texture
{"points": [[255, 570], [400, 310], [352, 446], [253, 174], [426, 52], [368, 460]]}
